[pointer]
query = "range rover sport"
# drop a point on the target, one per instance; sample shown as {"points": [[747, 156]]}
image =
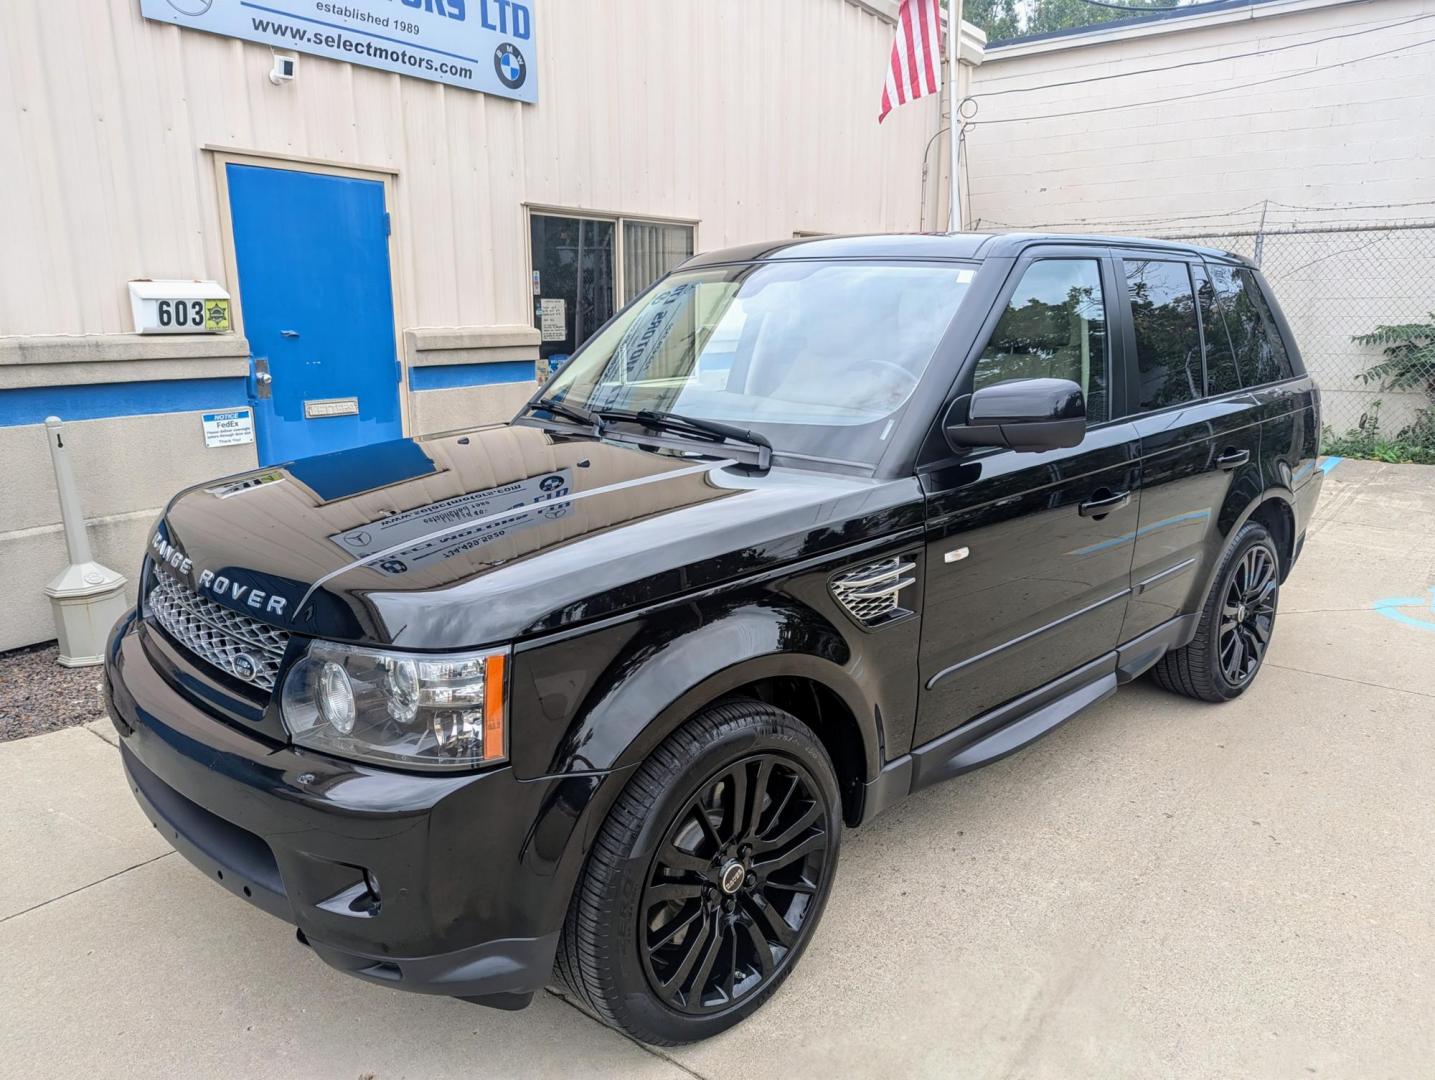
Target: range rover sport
{"points": [[591, 696]]}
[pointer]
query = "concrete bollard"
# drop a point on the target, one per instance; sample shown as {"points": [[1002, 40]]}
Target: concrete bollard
{"points": [[87, 599]]}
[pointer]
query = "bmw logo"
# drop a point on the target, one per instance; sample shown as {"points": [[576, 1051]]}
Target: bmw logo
{"points": [[508, 62], [245, 666], [548, 483]]}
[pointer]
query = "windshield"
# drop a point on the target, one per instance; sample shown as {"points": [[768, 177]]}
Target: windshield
{"points": [[821, 357]]}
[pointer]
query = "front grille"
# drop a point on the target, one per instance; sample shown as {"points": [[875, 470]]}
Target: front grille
{"points": [[240, 646], [872, 594]]}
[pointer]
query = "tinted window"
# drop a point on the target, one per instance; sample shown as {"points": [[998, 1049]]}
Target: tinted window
{"points": [[1168, 345], [1054, 327], [573, 259], [1222, 373], [1260, 354]]}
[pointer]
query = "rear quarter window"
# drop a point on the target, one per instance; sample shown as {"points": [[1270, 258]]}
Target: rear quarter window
{"points": [[1222, 373], [1168, 344], [1260, 355]]}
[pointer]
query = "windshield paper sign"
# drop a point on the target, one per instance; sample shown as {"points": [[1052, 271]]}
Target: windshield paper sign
{"points": [[433, 533], [484, 45], [650, 329]]}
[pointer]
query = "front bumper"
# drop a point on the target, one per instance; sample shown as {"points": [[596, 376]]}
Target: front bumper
{"points": [[437, 884]]}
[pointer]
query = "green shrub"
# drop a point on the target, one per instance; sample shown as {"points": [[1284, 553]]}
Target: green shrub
{"points": [[1408, 363], [1367, 441]]}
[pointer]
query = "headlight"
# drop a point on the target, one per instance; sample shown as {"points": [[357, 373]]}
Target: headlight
{"points": [[411, 710]]}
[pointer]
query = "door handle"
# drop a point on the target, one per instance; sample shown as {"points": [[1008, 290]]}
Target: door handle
{"points": [[1095, 508], [1233, 459], [262, 390]]}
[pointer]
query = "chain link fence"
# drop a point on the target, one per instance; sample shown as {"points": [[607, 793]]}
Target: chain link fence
{"points": [[1361, 302]]}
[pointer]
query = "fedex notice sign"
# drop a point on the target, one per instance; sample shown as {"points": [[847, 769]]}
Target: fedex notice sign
{"points": [[484, 45]]}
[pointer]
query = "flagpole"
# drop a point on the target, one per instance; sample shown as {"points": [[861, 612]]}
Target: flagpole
{"points": [[954, 37]]}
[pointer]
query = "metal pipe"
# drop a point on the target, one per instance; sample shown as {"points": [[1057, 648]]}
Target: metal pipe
{"points": [[954, 47]]}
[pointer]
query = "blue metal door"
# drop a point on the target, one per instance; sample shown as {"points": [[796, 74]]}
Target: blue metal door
{"points": [[317, 299]]}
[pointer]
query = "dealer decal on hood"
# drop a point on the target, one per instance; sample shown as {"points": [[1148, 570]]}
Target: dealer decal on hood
{"points": [[434, 532]]}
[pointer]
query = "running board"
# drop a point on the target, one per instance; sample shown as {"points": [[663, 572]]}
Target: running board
{"points": [[952, 754]]}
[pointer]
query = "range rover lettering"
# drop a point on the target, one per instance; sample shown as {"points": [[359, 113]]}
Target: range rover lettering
{"points": [[589, 697]]}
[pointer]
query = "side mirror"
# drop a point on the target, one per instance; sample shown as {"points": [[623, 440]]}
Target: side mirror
{"points": [[1026, 414]]}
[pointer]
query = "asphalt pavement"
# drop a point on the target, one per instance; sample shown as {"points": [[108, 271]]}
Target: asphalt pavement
{"points": [[1159, 889]]}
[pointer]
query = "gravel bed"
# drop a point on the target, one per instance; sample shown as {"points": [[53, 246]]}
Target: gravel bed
{"points": [[38, 695]]}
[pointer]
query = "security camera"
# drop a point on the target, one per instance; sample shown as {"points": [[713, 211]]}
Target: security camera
{"points": [[284, 68]]}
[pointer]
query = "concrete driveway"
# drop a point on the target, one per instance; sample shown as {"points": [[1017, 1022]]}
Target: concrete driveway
{"points": [[1160, 888]]}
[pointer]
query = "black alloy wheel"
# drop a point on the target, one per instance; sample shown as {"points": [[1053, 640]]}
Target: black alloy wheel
{"points": [[1248, 615], [708, 876], [1237, 619], [732, 884]]}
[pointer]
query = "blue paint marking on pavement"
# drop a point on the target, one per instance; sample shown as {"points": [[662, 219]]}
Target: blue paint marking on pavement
{"points": [[1391, 609], [1330, 463]]}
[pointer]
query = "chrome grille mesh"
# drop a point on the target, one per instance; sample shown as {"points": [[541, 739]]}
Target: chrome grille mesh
{"points": [[873, 593], [236, 644]]}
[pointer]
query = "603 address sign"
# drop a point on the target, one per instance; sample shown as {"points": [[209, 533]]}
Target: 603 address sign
{"points": [[195, 316], [181, 312]]}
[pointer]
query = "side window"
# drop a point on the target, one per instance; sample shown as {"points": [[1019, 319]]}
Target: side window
{"points": [[1168, 345], [1223, 374], [1054, 327], [1261, 356]]}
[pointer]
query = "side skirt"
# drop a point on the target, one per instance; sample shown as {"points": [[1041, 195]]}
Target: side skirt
{"points": [[1004, 730]]}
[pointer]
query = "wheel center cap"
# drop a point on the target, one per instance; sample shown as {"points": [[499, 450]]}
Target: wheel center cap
{"points": [[732, 877], [1241, 613]]}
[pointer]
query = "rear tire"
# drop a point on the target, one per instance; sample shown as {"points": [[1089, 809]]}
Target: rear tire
{"points": [[1237, 621], [707, 878]]}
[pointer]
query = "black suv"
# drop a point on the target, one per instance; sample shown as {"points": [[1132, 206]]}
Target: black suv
{"points": [[806, 527]]}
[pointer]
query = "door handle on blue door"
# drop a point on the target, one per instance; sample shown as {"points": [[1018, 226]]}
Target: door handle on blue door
{"points": [[1104, 503], [1233, 459]]}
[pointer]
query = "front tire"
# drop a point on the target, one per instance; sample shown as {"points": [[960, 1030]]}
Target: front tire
{"points": [[707, 878], [1237, 621]]}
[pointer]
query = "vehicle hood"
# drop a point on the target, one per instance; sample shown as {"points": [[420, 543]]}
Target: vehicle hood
{"points": [[491, 535]]}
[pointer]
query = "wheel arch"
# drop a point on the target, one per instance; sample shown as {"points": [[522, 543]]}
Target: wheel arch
{"points": [[776, 650], [817, 691], [812, 698], [1277, 513], [1275, 506]]}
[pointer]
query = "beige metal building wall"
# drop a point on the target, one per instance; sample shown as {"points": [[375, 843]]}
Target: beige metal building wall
{"points": [[753, 118]]}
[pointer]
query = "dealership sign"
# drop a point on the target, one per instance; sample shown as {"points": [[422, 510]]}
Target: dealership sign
{"points": [[484, 45]]}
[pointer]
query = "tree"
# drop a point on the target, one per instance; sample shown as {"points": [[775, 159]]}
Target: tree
{"points": [[997, 18], [1003, 19]]}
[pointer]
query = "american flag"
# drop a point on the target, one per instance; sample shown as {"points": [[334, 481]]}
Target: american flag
{"points": [[916, 67]]}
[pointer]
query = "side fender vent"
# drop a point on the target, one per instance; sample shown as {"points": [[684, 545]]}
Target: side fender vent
{"points": [[872, 593]]}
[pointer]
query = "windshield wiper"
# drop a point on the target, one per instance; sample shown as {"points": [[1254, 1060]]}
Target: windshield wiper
{"points": [[695, 425], [576, 413]]}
